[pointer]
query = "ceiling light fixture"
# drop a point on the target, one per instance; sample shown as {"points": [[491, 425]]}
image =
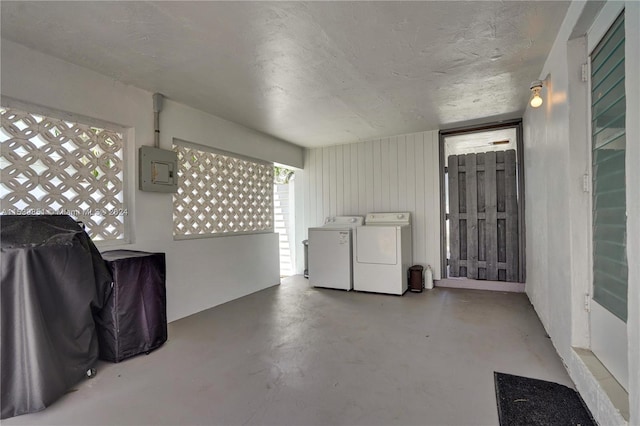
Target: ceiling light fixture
{"points": [[536, 100]]}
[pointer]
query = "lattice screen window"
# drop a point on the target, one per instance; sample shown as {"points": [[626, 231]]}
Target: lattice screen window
{"points": [[52, 166], [220, 194]]}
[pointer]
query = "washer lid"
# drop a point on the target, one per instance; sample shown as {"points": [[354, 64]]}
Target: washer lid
{"points": [[395, 219]]}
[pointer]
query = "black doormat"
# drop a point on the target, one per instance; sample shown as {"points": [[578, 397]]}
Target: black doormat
{"points": [[532, 402]]}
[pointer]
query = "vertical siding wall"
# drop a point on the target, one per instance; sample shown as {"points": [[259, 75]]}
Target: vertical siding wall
{"points": [[399, 173]]}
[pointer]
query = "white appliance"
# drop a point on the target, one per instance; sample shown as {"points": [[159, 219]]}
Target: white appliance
{"points": [[383, 253], [331, 252]]}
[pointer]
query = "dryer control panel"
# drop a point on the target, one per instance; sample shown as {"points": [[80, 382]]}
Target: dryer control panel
{"points": [[397, 219]]}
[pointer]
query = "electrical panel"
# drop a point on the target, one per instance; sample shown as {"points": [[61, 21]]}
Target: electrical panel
{"points": [[158, 169]]}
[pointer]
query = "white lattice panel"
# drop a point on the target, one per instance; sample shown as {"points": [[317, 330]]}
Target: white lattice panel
{"points": [[219, 194], [52, 166]]}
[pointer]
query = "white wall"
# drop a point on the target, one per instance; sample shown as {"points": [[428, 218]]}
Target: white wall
{"points": [[557, 144], [200, 273], [386, 175]]}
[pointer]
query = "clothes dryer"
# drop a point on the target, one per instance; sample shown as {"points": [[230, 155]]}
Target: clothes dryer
{"points": [[383, 253]]}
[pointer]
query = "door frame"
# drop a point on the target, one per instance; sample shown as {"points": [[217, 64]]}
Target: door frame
{"points": [[606, 346], [442, 134]]}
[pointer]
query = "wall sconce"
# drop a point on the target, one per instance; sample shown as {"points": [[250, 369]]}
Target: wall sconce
{"points": [[536, 100]]}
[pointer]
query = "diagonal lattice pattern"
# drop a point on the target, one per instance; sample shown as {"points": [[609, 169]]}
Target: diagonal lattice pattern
{"points": [[52, 166], [219, 194]]}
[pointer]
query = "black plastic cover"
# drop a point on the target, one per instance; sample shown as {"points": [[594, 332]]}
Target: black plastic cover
{"points": [[134, 319], [53, 280]]}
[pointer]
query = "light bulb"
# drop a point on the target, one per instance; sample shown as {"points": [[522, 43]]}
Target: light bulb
{"points": [[536, 101]]}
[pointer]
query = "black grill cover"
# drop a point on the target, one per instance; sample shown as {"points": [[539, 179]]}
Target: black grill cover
{"points": [[53, 280], [134, 319]]}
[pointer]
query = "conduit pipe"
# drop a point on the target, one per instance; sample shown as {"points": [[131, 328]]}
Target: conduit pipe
{"points": [[157, 107]]}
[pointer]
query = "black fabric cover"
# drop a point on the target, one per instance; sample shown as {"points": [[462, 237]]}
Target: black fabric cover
{"points": [[134, 319], [53, 280]]}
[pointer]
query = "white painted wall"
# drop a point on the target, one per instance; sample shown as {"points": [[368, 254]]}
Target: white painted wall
{"points": [[385, 175], [200, 273], [556, 142]]}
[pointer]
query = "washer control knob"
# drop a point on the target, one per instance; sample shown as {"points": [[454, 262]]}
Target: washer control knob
{"points": [[400, 216]]}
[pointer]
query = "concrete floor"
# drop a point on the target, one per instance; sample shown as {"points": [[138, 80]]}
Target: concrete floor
{"points": [[295, 355]]}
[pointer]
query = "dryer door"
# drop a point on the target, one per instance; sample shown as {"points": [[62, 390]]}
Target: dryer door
{"points": [[377, 244]]}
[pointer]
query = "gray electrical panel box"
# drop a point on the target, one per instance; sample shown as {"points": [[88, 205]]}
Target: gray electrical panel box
{"points": [[158, 169]]}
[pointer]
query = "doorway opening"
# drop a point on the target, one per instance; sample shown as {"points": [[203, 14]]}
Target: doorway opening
{"points": [[283, 217], [482, 207]]}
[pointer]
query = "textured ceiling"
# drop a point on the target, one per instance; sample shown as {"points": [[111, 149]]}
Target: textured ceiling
{"points": [[314, 74]]}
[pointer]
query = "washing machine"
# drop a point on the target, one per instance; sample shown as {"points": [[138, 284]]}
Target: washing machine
{"points": [[331, 252], [383, 253]]}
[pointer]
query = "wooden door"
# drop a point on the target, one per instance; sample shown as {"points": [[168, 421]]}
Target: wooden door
{"points": [[483, 216]]}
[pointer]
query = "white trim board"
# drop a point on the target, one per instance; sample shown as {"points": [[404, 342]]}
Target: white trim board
{"points": [[481, 285]]}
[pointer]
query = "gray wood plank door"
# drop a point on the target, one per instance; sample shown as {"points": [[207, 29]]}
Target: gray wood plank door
{"points": [[483, 216]]}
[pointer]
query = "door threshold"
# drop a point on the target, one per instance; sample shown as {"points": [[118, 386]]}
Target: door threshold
{"points": [[614, 390], [481, 285]]}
